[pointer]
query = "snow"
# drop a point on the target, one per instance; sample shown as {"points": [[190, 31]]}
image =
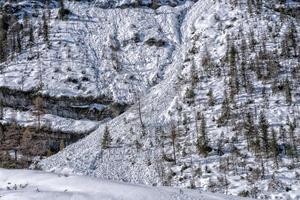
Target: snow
{"points": [[95, 53], [205, 24], [55, 123], [34, 185], [159, 76]]}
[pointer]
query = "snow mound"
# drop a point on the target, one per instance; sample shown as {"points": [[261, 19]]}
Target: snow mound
{"points": [[33, 185]]}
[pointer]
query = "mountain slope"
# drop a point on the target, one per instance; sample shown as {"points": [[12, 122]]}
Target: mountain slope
{"points": [[211, 92]]}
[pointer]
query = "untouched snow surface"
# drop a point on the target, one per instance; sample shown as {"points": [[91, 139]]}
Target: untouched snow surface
{"points": [[25, 185]]}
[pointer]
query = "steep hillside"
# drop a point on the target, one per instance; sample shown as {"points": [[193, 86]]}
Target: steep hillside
{"points": [[199, 94]]}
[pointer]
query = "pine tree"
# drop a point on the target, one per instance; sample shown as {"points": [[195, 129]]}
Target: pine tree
{"points": [[3, 40], [258, 67], [292, 37], [226, 110], [264, 130], [194, 76], [2, 134], [257, 143], [202, 141], [31, 37], [63, 12], [106, 139], [274, 147], [1, 110], [285, 48], [174, 136], [19, 43], [211, 98], [282, 133], [45, 29], [2, 49], [252, 40], [243, 75], [233, 73], [288, 91], [207, 62], [244, 48], [249, 127], [293, 146]]}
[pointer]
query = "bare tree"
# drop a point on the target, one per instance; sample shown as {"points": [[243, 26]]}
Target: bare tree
{"points": [[39, 110], [141, 118]]}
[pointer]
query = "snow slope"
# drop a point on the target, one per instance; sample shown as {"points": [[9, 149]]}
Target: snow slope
{"points": [[205, 24], [30, 185], [100, 51]]}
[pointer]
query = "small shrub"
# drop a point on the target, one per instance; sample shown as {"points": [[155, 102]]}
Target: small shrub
{"points": [[63, 13]]}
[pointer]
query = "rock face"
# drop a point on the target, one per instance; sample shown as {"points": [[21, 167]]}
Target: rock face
{"points": [[153, 4], [69, 107]]}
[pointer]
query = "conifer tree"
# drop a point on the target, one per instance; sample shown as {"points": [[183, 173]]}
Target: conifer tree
{"points": [[31, 36], [174, 136], [233, 73], [206, 61], [274, 147], [292, 37], [282, 133], [293, 146], [45, 29], [285, 48], [3, 40], [257, 143], [202, 141], [1, 110], [226, 110], [264, 130], [106, 139], [211, 98], [288, 91], [249, 127], [19, 43]]}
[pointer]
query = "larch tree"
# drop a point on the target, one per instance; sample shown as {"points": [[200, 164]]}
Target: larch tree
{"points": [[39, 110]]}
